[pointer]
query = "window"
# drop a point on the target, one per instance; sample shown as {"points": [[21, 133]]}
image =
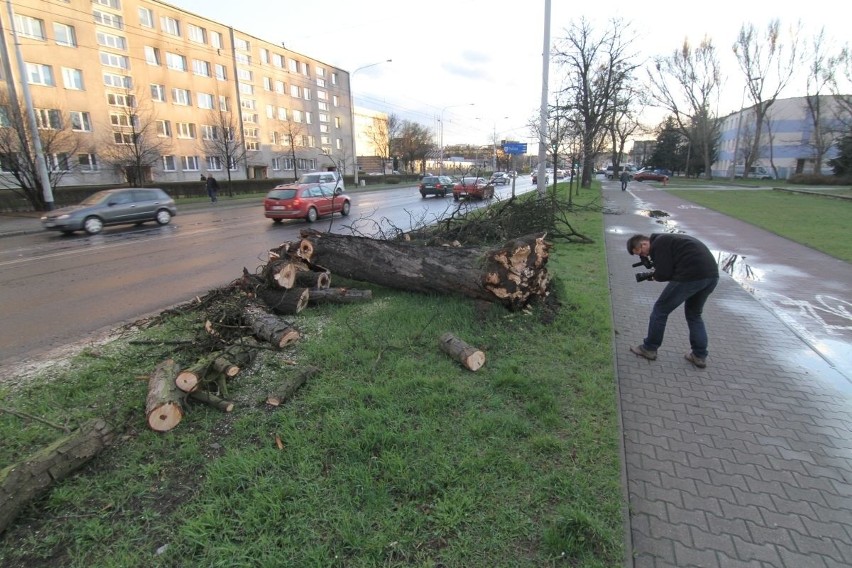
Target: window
{"points": [[264, 55], [48, 118], [297, 116], [306, 70], [120, 120], [214, 163], [80, 121], [250, 117], [39, 74], [205, 100], [164, 129], [123, 137], [158, 93], [114, 99], [335, 101], [242, 44], [323, 117], [216, 40], [322, 95], [209, 132], [181, 97], [114, 4], [278, 60], [244, 75], [248, 104], [72, 78], [29, 27], [242, 58], [201, 67], [185, 129], [87, 162], [196, 33], [111, 41], [337, 122], [270, 111], [279, 87], [170, 25], [224, 103], [115, 60], [146, 18], [58, 162], [189, 163], [334, 78], [294, 91], [273, 138], [324, 128], [282, 113], [325, 140], [306, 93], [152, 55], [267, 84], [221, 73], [309, 118], [338, 142], [294, 65], [251, 132], [252, 145], [64, 34], [276, 164], [107, 19], [169, 163], [118, 81], [320, 71], [246, 89], [322, 106], [175, 61]]}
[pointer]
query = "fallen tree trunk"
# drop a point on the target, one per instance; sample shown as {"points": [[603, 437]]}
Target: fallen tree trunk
{"points": [[313, 279], [471, 357], [22, 482], [212, 400], [163, 409], [271, 328], [339, 296], [291, 386], [510, 275], [286, 302]]}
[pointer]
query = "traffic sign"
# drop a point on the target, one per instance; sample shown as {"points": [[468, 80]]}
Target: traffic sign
{"points": [[515, 147]]}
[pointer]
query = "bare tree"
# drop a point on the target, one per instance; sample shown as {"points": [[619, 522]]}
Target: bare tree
{"points": [[294, 139], [597, 69], [840, 81], [819, 78], [414, 143], [625, 120], [381, 133], [223, 143], [687, 84], [137, 140], [766, 61]]}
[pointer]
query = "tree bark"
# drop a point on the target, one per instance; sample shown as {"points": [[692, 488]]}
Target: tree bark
{"points": [[163, 408], [313, 280], [286, 302], [472, 358], [291, 386], [22, 482], [510, 275], [339, 296], [212, 400], [271, 328]]}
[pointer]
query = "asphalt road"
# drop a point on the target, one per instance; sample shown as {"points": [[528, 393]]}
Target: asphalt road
{"points": [[58, 291]]}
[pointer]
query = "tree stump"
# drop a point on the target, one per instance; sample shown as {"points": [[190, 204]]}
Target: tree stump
{"points": [[163, 409], [465, 354]]}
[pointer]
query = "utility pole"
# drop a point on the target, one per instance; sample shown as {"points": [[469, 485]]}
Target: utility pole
{"points": [[542, 127], [41, 164]]}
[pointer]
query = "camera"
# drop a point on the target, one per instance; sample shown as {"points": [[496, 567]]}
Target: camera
{"points": [[647, 263]]}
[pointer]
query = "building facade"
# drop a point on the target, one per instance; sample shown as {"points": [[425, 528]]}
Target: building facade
{"points": [[110, 78]]}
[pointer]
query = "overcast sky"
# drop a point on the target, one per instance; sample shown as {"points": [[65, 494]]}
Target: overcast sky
{"points": [[488, 52]]}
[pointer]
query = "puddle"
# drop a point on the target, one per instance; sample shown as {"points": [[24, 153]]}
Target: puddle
{"points": [[662, 217], [654, 213], [736, 265]]}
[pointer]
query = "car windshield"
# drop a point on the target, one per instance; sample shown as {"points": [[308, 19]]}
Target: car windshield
{"points": [[281, 194], [430, 180], [96, 198], [467, 180], [309, 178]]}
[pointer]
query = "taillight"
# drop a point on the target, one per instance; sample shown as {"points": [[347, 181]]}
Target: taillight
{"points": [[297, 202]]}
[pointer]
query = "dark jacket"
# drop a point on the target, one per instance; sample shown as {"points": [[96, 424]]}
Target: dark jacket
{"points": [[681, 258]]}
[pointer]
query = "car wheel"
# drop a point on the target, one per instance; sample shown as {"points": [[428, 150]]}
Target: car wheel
{"points": [[345, 210], [423, 195], [276, 221], [455, 197], [93, 225], [163, 217], [312, 215]]}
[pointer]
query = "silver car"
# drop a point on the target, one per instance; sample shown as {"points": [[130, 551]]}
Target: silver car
{"points": [[113, 207]]}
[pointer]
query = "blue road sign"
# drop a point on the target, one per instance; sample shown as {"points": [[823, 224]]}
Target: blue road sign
{"points": [[515, 147]]}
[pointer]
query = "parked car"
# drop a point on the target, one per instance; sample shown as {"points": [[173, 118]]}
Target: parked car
{"points": [[501, 178], [113, 207], [436, 185], [309, 198], [652, 175], [472, 186], [535, 178]]}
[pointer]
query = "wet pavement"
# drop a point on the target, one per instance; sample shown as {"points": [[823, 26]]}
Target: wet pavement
{"points": [[749, 461]]}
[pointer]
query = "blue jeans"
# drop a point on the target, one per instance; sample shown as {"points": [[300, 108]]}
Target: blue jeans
{"points": [[693, 295]]}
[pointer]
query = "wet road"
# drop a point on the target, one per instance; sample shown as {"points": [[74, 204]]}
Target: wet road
{"points": [[809, 291]]}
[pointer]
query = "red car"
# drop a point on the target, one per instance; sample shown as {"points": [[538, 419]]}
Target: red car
{"points": [[643, 175], [305, 199], [471, 186]]}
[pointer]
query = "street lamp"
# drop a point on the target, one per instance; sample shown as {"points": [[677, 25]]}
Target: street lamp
{"points": [[441, 163], [352, 109]]}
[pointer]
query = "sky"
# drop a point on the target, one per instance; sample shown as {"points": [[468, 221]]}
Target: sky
{"points": [[447, 54]]}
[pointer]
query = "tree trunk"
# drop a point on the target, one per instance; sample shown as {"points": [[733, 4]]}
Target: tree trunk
{"points": [[313, 280], [291, 386], [163, 409], [22, 482], [339, 296], [271, 328], [286, 302], [510, 275], [465, 354], [212, 400]]}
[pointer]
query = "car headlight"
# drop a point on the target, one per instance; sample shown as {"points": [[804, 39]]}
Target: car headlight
{"points": [[65, 216]]}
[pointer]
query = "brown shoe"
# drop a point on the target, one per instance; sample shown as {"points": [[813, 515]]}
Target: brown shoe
{"points": [[646, 353], [699, 362]]}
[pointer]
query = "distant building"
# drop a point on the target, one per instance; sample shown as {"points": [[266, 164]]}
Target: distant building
{"points": [[104, 69]]}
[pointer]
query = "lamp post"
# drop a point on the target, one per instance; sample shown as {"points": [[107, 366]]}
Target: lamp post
{"points": [[441, 162], [352, 109]]}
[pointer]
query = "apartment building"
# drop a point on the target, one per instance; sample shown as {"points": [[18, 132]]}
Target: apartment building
{"points": [[115, 80]]}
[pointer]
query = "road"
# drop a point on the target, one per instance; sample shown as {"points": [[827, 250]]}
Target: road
{"points": [[58, 291]]}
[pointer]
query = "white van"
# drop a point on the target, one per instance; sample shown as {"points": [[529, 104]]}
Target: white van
{"points": [[754, 172]]}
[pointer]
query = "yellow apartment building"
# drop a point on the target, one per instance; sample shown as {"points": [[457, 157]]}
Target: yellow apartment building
{"points": [[123, 89]]}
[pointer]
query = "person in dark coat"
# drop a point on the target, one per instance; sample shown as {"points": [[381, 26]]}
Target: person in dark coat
{"points": [[625, 177], [692, 274], [212, 188]]}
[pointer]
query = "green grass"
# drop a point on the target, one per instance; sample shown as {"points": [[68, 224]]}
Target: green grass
{"points": [[392, 456], [819, 222]]}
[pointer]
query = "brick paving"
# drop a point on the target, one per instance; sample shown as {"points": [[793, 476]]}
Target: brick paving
{"points": [[749, 461]]}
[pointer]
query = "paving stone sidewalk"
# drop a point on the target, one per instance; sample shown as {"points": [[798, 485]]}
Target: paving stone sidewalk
{"points": [[747, 462]]}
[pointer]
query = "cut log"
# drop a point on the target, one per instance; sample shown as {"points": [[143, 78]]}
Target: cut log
{"points": [[23, 481], [280, 273], [191, 378], [212, 400], [271, 328], [339, 296], [314, 280], [163, 409], [291, 386], [287, 302], [510, 275], [469, 356]]}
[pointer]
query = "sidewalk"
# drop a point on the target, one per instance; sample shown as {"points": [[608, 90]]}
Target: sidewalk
{"points": [[749, 461]]}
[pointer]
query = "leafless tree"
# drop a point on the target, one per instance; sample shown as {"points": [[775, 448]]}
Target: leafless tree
{"points": [[625, 120], [136, 140], [414, 143], [597, 67], [295, 141], [17, 150], [381, 133], [223, 143], [687, 84], [841, 80], [765, 60], [820, 76]]}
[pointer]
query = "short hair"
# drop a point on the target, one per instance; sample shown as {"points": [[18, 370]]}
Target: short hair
{"points": [[634, 241]]}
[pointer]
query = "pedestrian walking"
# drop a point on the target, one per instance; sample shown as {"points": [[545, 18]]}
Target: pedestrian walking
{"points": [[692, 274], [212, 188], [625, 177]]}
